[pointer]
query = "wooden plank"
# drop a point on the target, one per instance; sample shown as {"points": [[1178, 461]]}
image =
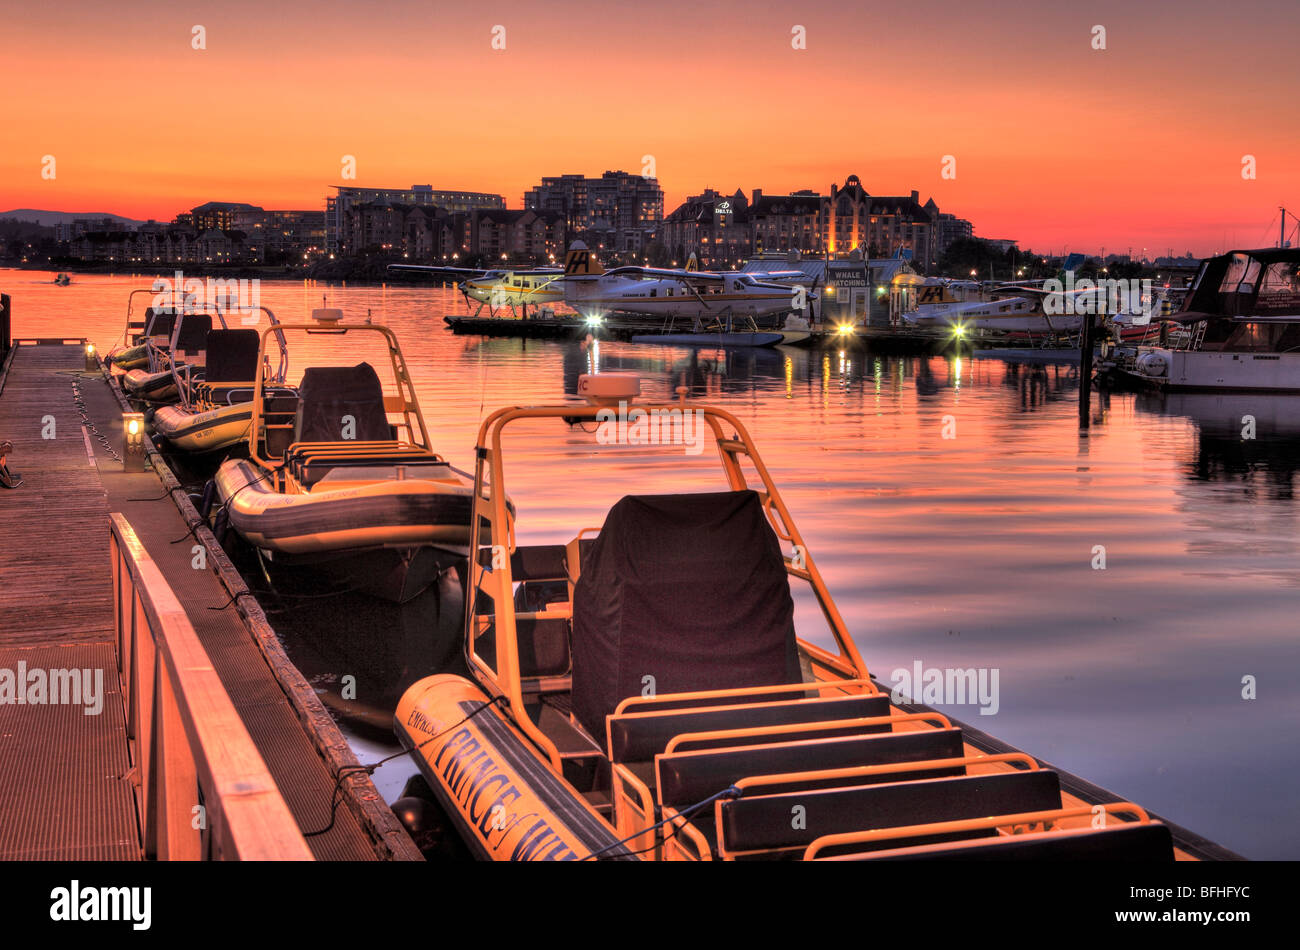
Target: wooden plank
{"points": [[56, 612], [57, 585]]}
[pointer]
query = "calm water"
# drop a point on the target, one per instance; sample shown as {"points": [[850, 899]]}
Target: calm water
{"points": [[972, 551]]}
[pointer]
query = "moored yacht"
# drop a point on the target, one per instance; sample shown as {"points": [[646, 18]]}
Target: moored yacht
{"points": [[1242, 317]]}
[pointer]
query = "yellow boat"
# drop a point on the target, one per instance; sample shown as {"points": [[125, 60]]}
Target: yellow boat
{"points": [[154, 328], [642, 692], [340, 476], [216, 409], [171, 364]]}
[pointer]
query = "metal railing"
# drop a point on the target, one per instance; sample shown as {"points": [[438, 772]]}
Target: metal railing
{"points": [[202, 790]]}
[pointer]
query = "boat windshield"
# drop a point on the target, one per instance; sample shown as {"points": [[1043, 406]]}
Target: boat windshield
{"points": [[1242, 275], [1279, 289]]}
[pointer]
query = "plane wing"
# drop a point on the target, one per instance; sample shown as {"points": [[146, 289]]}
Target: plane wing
{"points": [[431, 269], [776, 274], [665, 273]]}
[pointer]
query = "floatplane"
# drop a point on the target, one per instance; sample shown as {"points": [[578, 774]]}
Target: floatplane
{"points": [[1031, 309], [718, 304], [675, 292], [499, 287]]}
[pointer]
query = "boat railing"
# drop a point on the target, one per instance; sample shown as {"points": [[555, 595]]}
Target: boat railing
{"points": [[202, 790], [1028, 823]]}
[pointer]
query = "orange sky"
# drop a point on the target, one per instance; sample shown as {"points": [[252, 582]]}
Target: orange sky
{"points": [[1055, 143]]}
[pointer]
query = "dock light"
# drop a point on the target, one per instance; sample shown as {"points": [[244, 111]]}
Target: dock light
{"points": [[844, 329], [92, 363], [593, 320], [133, 426], [958, 330]]}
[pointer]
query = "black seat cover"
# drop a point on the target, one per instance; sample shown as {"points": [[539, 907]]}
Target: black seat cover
{"points": [[688, 589], [232, 356], [329, 393], [193, 335], [160, 322]]}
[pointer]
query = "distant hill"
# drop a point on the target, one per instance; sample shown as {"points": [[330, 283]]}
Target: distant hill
{"points": [[51, 218]]}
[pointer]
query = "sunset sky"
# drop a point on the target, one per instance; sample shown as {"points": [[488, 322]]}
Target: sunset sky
{"points": [[1138, 145]]}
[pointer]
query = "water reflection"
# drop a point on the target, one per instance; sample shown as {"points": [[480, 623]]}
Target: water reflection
{"points": [[1252, 440], [969, 551]]}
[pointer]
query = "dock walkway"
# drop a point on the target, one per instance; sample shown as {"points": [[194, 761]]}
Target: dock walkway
{"points": [[65, 792]]}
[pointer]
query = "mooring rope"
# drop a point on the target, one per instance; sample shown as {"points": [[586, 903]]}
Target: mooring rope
{"points": [[79, 401]]}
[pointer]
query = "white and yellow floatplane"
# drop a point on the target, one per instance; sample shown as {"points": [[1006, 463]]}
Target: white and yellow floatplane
{"points": [[340, 475], [641, 692]]}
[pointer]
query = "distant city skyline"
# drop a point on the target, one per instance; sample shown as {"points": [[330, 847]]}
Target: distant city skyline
{"points": [[1052, 141]]}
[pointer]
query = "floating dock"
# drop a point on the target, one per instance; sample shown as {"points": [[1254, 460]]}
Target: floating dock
{"points": [[208, 741], [890, 340]]}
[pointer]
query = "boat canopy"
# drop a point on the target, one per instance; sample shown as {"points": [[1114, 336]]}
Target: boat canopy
{"points": [[680, 593], [1261, 284], [329, 395]]}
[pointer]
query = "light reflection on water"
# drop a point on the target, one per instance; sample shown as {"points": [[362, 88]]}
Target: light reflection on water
{"points": [[972, 551]]}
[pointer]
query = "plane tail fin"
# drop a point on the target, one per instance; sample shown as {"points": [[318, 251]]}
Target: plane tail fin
{"points": [[581, 262]]}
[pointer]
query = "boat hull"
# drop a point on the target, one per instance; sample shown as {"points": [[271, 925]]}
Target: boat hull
{"points": [[383, 513], [156, 387], [207, 431], [711, 339], [1211, 371], [135, 357], [507, 803]]}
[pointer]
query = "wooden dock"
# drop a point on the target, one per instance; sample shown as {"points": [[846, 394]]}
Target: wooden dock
{"points": [[75, 785], [903, 340]]}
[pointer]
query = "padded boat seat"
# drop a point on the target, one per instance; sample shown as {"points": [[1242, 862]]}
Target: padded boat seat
{"points": [[762, 822], [542, 642], [351, 448], [159, 325], [229, 394], [688, 777], [232, 356], [338, 399], [540, 572], [278, 414], [310, 463], [1131, 842], [538, 562], [638, 737], [192, 338]]}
